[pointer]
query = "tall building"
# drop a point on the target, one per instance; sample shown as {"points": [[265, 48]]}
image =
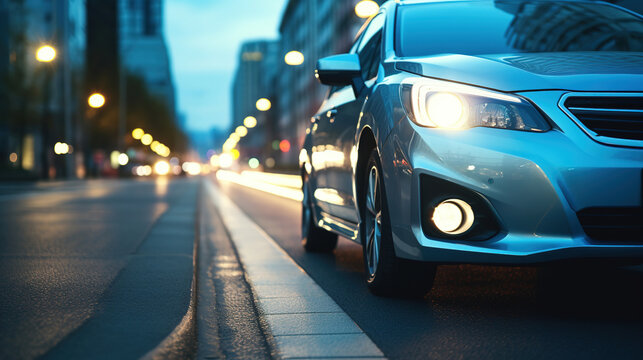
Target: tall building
{"points": [[44, 104], [254, 79], [5, 152], [143, 48]]}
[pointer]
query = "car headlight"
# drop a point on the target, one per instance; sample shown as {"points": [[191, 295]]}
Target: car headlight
{"points": [[443, 105]]}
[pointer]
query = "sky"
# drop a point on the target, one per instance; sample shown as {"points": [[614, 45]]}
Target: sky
{"points": [[203, 38]]}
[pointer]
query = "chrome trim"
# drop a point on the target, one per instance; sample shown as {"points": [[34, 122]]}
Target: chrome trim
{"points": [[606, 140], [338, 226], [635, 111]]}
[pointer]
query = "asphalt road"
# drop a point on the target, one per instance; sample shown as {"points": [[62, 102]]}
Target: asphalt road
{"points": [[86, 266], [473, 311]]}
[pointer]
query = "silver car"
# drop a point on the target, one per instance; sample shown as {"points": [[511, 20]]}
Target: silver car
{"points": [[496, 132]]}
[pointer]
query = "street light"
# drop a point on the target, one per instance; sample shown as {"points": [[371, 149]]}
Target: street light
{"points": [[46, 53], [366, 8], [250, 122], [138, 133], [263, 104], [294, 58], [96, 100], [241, 131], [147, 139]]}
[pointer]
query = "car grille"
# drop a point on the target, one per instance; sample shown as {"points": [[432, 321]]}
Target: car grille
{"points": [[622, 225], [611, 116]]}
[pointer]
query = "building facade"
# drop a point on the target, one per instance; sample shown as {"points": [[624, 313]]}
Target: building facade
{"points": [[42, 101], [258, 65], [143, 48]]}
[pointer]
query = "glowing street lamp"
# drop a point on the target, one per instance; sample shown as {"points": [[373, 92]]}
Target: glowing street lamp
{"points": [[263, 104], [250, 122], [138, 133], [147, 139], [46, 53], [96, 100], [366, 8], [294, 58], [241, 131]]}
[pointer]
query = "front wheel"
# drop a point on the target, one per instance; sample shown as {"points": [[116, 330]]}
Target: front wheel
{"points": [[313, 238], [386, 274]]}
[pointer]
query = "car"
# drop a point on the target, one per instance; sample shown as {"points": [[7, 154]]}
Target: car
{"points": [[487, 132]]}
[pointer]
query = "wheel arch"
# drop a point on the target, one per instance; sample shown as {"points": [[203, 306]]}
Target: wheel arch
{"points": [[367, 142]]}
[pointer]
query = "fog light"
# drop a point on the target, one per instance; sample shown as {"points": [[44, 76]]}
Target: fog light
{"points": [[453, 216]]}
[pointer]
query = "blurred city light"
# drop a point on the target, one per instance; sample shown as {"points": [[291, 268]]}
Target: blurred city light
{"points": [[284, 146], [144, 170], [291, 181], [46, 53], [214, 160], [61, 148], [294, 58], [287, 192], [96, 100], [253, 163], [250, 122], [225, 160], [114, 159], [192, 168], [366, 8], [162, 167], [270, 162], [147, 139], [13, 157], [235, 154], [234, 137], [263, 104], [123, 159], [138, 133], [241, 131]]}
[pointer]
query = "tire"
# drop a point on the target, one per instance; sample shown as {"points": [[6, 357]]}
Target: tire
{"points": [[386, 274], [313, 238]]}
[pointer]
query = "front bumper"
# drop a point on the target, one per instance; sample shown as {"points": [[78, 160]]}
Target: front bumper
{"points": [[534, 182]]}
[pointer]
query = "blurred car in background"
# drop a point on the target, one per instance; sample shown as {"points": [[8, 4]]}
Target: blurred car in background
{"points": [[502, 132]]}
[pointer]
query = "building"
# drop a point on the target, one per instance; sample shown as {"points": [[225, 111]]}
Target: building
{"points": [[42, 101], [255, 79], [142, 46]]}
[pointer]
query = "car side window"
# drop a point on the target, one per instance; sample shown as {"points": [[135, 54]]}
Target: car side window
{"points": [[370, 47]]}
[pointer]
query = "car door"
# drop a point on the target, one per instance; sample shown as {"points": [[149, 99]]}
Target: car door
{"points": [[334, 130]]}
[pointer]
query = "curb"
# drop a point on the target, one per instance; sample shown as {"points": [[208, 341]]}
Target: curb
{"points": [[303, 321]]}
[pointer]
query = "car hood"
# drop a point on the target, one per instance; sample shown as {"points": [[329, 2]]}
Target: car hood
{"points": [[573, 71]]}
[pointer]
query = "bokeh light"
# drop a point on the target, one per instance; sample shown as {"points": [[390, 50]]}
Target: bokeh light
{"points": [[96, 100], [294, 58], [253, 163], [138, 133], [366, 8], [263, 104], [250, 122], [147, 139], [162, 167], [45, 53]]}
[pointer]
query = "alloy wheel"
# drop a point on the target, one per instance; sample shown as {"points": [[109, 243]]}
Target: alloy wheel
{"points": [[373, 221]]}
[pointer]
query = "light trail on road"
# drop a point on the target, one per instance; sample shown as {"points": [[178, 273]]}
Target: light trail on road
{"points": [[264, 182]]}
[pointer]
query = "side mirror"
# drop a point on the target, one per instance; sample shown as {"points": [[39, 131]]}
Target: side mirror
{"points": [[340, 70]]}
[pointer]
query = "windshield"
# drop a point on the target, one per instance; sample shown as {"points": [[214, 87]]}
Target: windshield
{"points": [[477, 28]]}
